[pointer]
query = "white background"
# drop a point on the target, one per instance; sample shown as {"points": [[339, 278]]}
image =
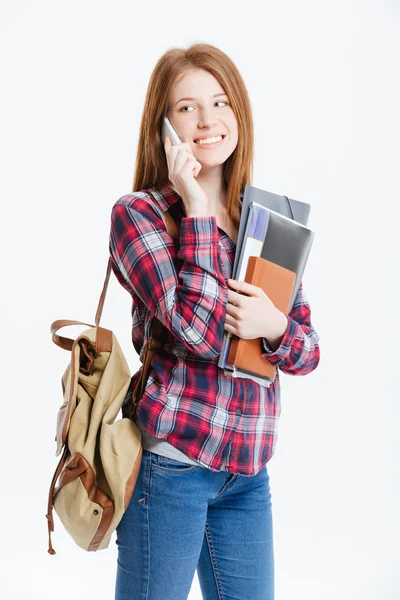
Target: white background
{"points": [[323, 82]]}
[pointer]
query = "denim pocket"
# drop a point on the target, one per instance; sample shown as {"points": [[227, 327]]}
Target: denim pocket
{"points": [[164, 463]]}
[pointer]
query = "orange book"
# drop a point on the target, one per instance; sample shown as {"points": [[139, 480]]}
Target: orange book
{"points": [[278, 283]]}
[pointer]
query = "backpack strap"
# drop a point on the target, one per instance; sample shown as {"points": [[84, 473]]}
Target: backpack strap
{"points": [[49, 514]]}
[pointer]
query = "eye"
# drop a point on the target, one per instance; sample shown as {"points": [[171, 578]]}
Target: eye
{"points": [[187, 105]]}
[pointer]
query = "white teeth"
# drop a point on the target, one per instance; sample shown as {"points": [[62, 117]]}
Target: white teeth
{"points": [[210, 140]]}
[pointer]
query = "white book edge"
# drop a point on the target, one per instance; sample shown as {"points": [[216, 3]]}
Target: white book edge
{"points": [[238, 373]]}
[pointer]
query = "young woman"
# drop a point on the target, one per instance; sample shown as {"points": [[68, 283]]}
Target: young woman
{"points": [[202, 499]]}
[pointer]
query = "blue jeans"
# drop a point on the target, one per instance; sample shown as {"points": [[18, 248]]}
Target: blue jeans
{"points": [[184, 517]]}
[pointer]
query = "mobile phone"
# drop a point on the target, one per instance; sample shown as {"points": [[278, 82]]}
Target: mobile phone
{"points": [[168, 130]]}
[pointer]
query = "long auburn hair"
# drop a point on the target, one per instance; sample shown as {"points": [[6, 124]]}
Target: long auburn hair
{"points": [[151, 169]]}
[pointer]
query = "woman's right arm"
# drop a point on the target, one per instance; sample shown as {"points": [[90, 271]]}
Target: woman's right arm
{"points": [[192, 303]]}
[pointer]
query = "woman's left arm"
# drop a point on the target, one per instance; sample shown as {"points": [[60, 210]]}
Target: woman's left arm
{"points": [[298, 349]]}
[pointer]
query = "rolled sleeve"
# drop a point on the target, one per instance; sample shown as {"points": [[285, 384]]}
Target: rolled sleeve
{"points": [[298, 353]]}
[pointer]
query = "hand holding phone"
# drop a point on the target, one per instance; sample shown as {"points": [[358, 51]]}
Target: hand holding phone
{"points": [[169, 131], [183, 167]]}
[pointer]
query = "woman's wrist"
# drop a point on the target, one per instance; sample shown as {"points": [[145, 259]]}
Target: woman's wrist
{"points": [[276, 333]]}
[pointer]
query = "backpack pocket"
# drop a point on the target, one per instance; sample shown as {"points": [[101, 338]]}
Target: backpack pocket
{"points": [[84, 510]]}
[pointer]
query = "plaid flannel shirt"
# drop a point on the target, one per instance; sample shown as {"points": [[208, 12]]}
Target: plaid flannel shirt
{"points": [[223, 422]]}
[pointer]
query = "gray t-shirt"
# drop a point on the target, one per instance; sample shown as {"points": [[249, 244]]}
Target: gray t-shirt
{"points": [[161, 446]]}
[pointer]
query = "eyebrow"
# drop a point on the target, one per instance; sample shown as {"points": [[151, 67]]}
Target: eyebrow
{"points": [[215, 95]]}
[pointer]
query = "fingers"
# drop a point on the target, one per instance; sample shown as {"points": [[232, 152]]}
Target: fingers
{"points": [[175, 147], [179, 158], [173, 151], [194, 164], [180, 161], [197, 168]]}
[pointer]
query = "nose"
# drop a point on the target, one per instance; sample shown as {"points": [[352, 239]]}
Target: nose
{"points": [[207, 119]]}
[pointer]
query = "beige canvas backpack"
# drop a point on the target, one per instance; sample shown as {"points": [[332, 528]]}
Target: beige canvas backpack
{"points": [[97, 472]]}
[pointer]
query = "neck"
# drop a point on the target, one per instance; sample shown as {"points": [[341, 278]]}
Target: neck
{"points": [[215, 191]]}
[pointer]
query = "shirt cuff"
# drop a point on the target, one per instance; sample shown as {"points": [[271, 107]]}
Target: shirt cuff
{"points": [[283, 350]]}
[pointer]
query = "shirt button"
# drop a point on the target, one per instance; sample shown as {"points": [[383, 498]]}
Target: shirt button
{"points": [[238, 411]]}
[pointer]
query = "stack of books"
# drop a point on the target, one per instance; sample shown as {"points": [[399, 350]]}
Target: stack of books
{"points": [[271, 253]]}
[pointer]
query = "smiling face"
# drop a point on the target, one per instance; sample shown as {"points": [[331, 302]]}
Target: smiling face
{"points": [[207, 114]]}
